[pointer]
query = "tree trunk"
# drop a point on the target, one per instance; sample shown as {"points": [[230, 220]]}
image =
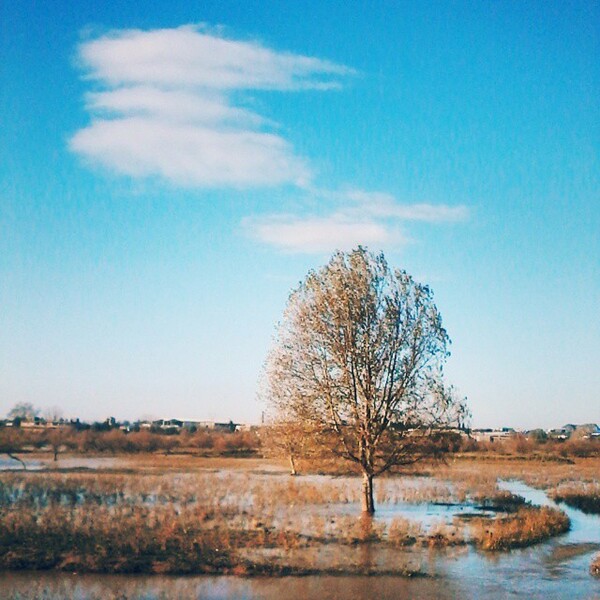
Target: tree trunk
{"points": [[17, 459], [368, 505], [292, 465]]}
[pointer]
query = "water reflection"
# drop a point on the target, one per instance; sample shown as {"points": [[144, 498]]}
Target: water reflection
{"points": [[110, 587]]}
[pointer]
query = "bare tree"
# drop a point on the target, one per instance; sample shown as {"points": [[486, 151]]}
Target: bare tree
{"points": [[11, 442], [287, 438], [358, 360], [59, 438], [23, 410], [53, 414]]}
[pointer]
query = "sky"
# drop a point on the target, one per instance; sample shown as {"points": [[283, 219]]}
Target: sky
{"points": [[170, 171]]}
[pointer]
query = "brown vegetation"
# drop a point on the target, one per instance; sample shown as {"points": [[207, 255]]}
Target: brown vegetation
{"points": [[14, 440], [595, 566], [198, 523], [584, 497], [117, 524], [529, 525], [532, 448]]}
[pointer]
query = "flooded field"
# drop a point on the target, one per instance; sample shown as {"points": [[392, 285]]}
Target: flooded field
{"points": [[418, 546]]}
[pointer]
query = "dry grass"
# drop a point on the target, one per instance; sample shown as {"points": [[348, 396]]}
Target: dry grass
{"points": [[584, 496], [442, 535], [199, 522], [529, 525], [480, 476], [403, 532], [113, 523]]}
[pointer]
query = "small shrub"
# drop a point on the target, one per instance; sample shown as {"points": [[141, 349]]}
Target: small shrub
{"points": [[441, 535], [403, 532]]}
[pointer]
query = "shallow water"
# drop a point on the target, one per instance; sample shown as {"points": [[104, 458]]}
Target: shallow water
{"points": [[9, 464], [36, 463], [427, 513], [108, 587], [529, 573]]}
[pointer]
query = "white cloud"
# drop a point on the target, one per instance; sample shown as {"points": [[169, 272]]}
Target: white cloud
{"points": [[318, 234], [371, 219], [174, 105], [380, 204], [191, 56], [165, 107], [189, 155]]}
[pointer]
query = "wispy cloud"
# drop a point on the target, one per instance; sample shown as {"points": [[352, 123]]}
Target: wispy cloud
{"points": [[165, 107], [379, 204], [317, 234], [368, 218]]}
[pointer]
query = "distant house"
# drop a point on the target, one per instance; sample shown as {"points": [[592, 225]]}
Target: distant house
{"points": [[211, 425], [231, 426], [35, 423], [198, 425], [168, 424], [589, 427], [246, 427], [492, 435], [587, 430]]}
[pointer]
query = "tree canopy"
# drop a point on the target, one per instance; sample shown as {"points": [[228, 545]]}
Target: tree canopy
{"points": [[358, 359], [23, 410]]}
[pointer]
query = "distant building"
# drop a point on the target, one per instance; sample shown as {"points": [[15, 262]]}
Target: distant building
{"points": [[585, 431], [492, 435], [198, 425], [35, 423], [168, 424]]}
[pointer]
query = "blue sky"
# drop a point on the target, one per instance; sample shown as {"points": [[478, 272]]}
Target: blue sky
{"points": [[169, 172]]}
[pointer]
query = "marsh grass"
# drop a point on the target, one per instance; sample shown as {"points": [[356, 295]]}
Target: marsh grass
{"points": [[442, 535], [528, 525], [184, 515], [403, 532], [585, 497]]}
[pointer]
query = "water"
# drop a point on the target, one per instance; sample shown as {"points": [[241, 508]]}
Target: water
{"points": [[35, 463], [9, 464], [51, 586]]}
